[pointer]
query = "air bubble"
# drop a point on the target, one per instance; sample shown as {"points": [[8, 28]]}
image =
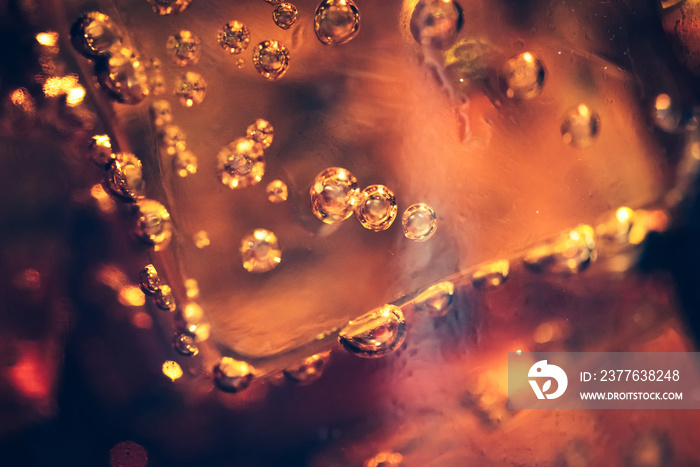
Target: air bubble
{"points": [[234, 37], [153, 224], [149, 281], [271, 59], [185, 345], [95, 34], [374, 334], [261, 132], [260, 251], [334, 195], [492, 275], [185, 163], [581, 126], [309, 370], [165, 300], [436, 300], [100, 149], [277, 191], [161, 113], [123, 74], [419, 222], [522, 77], [376, 208], [172, 139], [125, 176], [285, 15], [241, 163], [336, 21], [190, 88], [233, 375], [436, 23], [169, 7], [570, 253], [184, 47]]}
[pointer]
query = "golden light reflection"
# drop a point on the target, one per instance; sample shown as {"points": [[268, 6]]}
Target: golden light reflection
{"points": [[57, 85], [47, 38], [663, 102], [21, 98], [172, 370], [75, 96], [385, 459], [192, 287], [201, 239], [104, 202], [131, 295]]}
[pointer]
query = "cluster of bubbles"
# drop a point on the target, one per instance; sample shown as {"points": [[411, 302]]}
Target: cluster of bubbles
{"points": [[436, 26], [124, 178], [172, 139], [335, 196], [241, 163], [119, 69]]}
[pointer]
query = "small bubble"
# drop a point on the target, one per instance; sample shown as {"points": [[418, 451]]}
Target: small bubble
{"points": [[374, 334], [233, 375], [492, 275], [285, 15], [260, 251], [169, 7], [172, 139], [95, 34], [128, 454], [334, 195], [240, 63], [234, 37], [241, 163], [436, 299], [309, 370], [172, 370], [436, 23], [149, 281], [277, 191], [261, 132], [271, 59], [522, 76], [100, 149], [165, 300], [185, 163], [376, 208], [185, 345], [125, 177], [124, 75], [153, 224], [201, 239], [419, 222], [569, 253], [161, 113], [190, 88], [581, 126], [184, 47], [336, 21]]}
